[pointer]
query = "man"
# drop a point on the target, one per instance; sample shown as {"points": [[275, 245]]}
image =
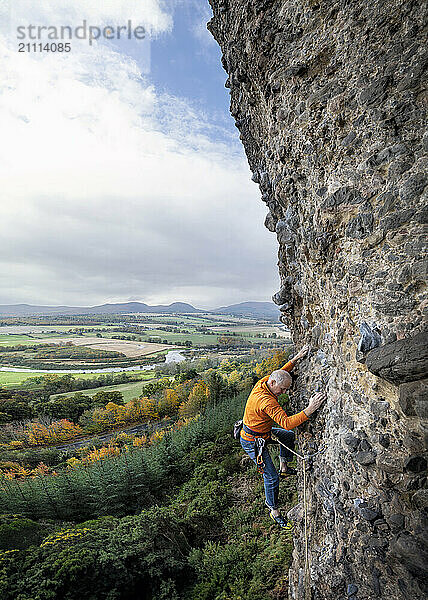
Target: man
{"points": [[261, 411]]}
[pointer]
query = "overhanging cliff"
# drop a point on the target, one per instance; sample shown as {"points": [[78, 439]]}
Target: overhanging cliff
{"points": [[330, 103]]}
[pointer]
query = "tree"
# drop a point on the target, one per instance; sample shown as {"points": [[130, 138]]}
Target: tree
{"points": [[169, 403], [102, 398], [68, 407], [275, 360], [230, 340], [216, 386], [186, 375], [197, 401], [11, 410]]}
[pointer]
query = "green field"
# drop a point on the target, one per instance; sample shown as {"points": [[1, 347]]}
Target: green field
{"points": [[201, 339], [129, 390], [196, 338], [16, 339], [186, 320], [10, 379]]}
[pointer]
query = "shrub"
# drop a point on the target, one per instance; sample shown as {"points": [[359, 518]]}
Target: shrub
{"points": [[17, 532]]}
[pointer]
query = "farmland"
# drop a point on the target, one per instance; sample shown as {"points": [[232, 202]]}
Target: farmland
{"points": [[109, 343], [128, 390], [128, 348]]}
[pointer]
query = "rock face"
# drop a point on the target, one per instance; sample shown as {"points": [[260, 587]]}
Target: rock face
{"points": [[329, 101]]}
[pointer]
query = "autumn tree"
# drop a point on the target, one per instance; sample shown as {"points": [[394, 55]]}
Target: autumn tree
{"points": [[275, 360], [196, 402], [169, 403]]}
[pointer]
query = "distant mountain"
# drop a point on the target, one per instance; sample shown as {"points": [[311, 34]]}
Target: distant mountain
{"points": [[260, 310], [20, 310]]}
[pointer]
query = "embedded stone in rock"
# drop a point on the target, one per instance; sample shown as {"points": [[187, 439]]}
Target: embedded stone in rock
{"points": [[365, 458], [284, 295], [416, 464], [420, 499], [396, 521], [360, 227], [413, 187], [365, 446], [370, 337], [397, 219], [389, 462], [367, 513], [359, 270], [414, 398], [351, 441], [352, 589], [380, 409], [296, 513], [410, 551], [344, 196], [375, 91], [270, 222], [384, 440], [401, 361]]}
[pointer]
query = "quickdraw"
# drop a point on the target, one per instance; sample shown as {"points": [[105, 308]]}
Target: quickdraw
{"points": [[321, 449], [259, 444]]}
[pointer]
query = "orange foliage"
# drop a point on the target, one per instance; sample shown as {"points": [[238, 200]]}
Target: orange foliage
{"points": [[275, 360], [113, 415], [197, 401], [58, 431], [17, 471]]}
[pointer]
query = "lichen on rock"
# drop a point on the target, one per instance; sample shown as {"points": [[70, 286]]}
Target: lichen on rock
{"points": [[330, 102]]}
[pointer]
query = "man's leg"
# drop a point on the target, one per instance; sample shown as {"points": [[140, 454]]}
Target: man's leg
{"points": [[288, 439], [270, 475], [271, 482]]}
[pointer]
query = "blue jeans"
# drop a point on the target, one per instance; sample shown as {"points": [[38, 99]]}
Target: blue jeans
{"points": [[270, 474]]}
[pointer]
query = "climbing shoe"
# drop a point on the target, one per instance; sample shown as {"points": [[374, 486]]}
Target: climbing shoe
{"points": [[290, 471], [287, 525]]}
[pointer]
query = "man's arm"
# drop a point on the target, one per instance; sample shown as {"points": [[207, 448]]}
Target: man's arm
{"points": [[273, 409], [289, 366]]}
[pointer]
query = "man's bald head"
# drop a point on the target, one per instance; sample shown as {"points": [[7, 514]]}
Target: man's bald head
{"points": [[280, 377], [279, 382]]}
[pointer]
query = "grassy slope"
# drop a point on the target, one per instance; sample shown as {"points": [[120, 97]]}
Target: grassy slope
{"points": [[128, 390], [209, 538], [9, 379]]}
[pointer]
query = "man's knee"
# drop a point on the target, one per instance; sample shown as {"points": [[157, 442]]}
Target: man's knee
{"points": [[271, 478]]}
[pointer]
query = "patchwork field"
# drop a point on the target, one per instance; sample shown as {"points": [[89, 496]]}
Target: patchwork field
{"points": [[130, 349]]}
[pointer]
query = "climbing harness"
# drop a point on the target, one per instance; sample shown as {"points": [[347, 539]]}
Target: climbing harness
{"points": [[304, 458], [259, 443]]}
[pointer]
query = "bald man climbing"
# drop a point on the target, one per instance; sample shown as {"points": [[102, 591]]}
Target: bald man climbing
{"points": [[261, 411]]}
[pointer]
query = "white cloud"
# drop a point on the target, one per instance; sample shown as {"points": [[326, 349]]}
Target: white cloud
{"points": [[150, 13], [113, 190]]}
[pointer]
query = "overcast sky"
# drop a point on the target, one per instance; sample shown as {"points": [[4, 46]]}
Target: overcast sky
{"points": [[122, 174]]}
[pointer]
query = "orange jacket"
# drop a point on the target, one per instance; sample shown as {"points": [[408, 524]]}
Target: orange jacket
{"points": [[262, 410]]}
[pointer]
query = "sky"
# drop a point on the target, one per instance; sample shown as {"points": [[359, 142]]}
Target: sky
{"points": [[122, 174]]}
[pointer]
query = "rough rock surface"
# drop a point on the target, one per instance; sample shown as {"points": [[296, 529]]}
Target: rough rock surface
{"points": [[330, 103]]}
